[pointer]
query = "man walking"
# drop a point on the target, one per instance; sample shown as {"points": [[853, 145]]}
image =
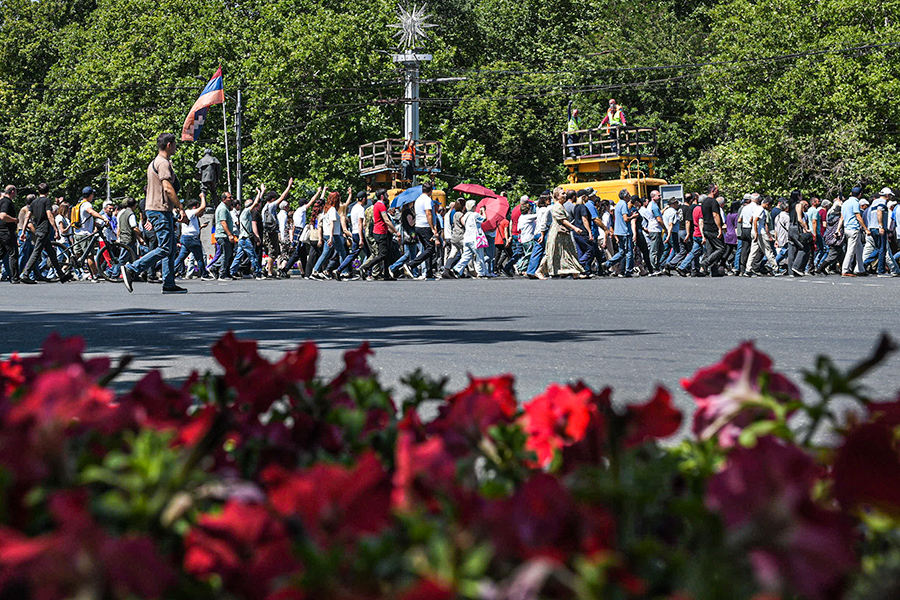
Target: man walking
{"points": [[43, 221], [382, 228], [161, 205], [853, 225], [624, 213], [428, 233], [225, 238], [9, 246], [713, 235]]}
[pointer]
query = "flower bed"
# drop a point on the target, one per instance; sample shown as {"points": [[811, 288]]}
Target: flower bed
{"points": [[265, 482]]}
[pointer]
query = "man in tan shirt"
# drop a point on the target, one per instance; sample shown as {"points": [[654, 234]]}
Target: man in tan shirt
{"points": [[163, 208]]}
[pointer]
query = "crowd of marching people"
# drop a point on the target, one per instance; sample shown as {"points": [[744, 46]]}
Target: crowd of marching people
{"points": [[353, 236]]}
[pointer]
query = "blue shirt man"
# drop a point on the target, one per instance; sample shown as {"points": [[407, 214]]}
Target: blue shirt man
{"points": [[849, 210], [621, 212]]}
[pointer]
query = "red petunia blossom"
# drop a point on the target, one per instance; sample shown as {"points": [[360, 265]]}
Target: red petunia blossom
{"points": [[556, 418], [257, 381], [467, 415], [420, 468], [79, 555], [428, 589], [764, 496], [723, 390], [335, 503], [653, 420], [12, 375], [66, 397], [542, 519], [867, 465], [593, 447], [58, 352], [245, 545], [154, 403]]}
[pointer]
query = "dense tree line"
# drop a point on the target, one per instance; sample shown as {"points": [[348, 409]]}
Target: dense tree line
{"points": [[750, 93]]}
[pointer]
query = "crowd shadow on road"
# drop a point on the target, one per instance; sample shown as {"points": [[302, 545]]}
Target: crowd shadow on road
{"points": [[148, 334]]}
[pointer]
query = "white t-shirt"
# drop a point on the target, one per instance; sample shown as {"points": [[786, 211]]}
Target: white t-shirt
{"points": [[543, 219], [357, 213], [745, 217], [670, 218], [61, 224], [471, 220], [423, 203], [526, 227], [300, 218], [331, 225], [192, 227], [87, 221], [283, 233], [756, 212]]}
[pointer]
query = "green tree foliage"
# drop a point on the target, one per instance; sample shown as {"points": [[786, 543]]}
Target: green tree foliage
{"points": [[749, 93]]}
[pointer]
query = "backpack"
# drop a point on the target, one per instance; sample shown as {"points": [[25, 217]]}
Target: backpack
{"points": [[832, 235], [75, 220], [270, 223]]}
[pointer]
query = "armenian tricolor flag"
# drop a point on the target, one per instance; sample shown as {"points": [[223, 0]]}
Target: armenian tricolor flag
{"points": [[213, 93]]}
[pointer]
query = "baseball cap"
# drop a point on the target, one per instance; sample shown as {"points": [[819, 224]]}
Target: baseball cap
{"points": [[747, 197], [87, 191], [524, 198], [673, 200], [863, 201], [107, 203], [361, 195], [887, 192], [589, 191], [856, 191]]}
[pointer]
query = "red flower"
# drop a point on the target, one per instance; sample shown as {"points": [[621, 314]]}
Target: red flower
{"points": [[155, 404], [592, 448], [419, 469], [334, 503], [67, 397], [466, 415], [867, 466], [257, 381], [12, 375], [725, 389], [764, 496], [428, 589], [59, 352], [542, 519], [245, 545], [79, 555], [556, 418], [656, 419]]}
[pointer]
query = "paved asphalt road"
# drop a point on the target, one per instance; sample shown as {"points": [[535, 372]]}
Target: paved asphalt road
{"points": [[627, 333]]}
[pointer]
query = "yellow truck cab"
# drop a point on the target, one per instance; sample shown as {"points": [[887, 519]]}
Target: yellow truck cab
{"points": [[609, 160]]}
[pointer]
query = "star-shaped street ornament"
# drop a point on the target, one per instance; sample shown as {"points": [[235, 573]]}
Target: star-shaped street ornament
{"points": [[411, 27]]}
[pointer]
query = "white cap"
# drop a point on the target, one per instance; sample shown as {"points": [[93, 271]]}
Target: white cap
{"points": [[283, 204], [887, 192], [107, 203], [863, 201], [523, 198]]}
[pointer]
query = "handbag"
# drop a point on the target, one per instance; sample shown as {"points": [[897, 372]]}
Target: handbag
{"points": [[306, 234], [480, 239]]}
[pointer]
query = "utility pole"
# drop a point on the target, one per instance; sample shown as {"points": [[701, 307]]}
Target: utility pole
{"points": [[237, 133], [412, 28]]}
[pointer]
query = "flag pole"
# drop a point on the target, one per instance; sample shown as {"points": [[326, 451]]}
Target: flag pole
{"points": [[225, 120]]}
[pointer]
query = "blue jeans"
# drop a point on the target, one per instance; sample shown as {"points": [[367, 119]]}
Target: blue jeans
{"points": [[337, 245], [410, 250], [695, 252], [354, 252], [880, 242], [671, 248], [585, 248], [245, 247], [537, 253], [164, 228], [625, 252], [737, 255], [190, 244]]}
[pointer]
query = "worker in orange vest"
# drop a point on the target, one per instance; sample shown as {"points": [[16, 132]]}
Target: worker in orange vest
{"points": [[408, 160], [614, 119]]}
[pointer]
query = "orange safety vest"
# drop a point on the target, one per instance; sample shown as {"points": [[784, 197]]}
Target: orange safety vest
{"points": [[408, 153]]}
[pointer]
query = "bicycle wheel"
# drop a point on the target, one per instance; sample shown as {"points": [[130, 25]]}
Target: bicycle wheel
{"points": [[67, 263], [110, 259]]}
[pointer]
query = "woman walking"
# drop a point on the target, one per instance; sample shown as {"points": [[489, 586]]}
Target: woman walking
{"points": [[559, 255]]}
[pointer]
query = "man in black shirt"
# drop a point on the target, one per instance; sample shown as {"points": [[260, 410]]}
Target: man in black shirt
{"points": [[45, 232], [713, 233], [584, 240], [9, 244]]}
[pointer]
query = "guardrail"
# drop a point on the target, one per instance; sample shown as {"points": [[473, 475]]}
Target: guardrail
{"points": [[617, 141], [384, 155]]}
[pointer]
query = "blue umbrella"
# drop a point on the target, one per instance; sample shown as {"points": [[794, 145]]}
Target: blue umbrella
{"points": [[407, 196]]}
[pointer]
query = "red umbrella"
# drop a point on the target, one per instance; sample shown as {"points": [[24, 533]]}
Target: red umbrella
{"points": [[475, 190], [495, 210]]}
